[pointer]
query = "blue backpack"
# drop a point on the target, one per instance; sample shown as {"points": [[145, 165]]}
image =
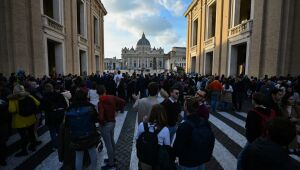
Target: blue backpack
{"points": [[80, 122]]}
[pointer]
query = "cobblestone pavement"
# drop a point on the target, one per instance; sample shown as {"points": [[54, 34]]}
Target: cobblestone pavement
{"points": [[227, 126], [124, 144]]}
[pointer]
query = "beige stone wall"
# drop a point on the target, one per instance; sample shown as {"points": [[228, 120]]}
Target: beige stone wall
{"points": [[224, 38], [4, 50], [272, 22], [272, 39], [21, 40], [71, 35], [294, 63], [23, 37], [256, 50]]}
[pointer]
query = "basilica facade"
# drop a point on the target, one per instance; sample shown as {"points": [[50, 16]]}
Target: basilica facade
{"points": [[143, 57]]}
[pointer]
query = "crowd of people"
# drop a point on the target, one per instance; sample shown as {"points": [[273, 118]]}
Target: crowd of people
{"points": [[72, 106]]}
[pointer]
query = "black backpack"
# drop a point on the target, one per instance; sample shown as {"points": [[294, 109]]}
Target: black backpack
{"points": [[27, 106], [203, 140], [147, 146]]}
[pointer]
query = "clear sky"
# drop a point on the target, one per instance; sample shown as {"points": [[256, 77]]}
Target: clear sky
{"points": [[162, 21]]}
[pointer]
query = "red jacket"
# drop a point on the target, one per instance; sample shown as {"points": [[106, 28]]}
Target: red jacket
{"points": [[215, 85], [107, 107]]}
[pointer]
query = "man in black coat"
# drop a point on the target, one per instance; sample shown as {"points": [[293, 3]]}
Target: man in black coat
{"points": [[274, 100], [173, 110], [54, 105]]}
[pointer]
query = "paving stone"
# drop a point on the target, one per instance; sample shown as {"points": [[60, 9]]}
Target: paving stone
{"points": [[124, 143]]}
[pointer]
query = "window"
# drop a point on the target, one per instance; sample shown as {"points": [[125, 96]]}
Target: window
{"points": [[96, 31], [195, 32], [245, 10], [52, 9], [240, 11], [211, 21], [48, 8], [80, 18]]}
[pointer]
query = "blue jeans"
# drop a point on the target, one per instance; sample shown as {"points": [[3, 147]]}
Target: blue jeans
{"points": [[107, 132], [200, 167], [214, 99], [172, 130], [241, 157], [93, 158]]}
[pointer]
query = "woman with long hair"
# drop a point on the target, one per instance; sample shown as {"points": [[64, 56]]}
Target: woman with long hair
{"points": [[157, 124]]}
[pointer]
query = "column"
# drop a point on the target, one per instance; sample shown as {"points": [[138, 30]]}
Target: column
{"points": [[252, 9]]}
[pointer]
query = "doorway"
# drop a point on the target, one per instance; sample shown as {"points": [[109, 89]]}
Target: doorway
{"points": [[83, 62], [55, 57], [193, 68], [238, 59], [208, 63]]}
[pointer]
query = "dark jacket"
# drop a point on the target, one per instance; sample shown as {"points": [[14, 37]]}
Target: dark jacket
{"points": [[184, 147], [107, 107], [275, 106], [173, 110], [263, 154], [54, 105], [254, 127]]}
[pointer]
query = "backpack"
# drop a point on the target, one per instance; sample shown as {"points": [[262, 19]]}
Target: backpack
{"points": [[264, 119], [80, 122], [27, 106], [147, 146], [202, 140]]}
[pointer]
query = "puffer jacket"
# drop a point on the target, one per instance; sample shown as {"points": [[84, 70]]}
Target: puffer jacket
{"points": [[19, 121]]}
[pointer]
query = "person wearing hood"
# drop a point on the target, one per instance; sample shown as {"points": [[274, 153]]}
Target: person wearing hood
{"points": [[271, 152], [22, 119]]}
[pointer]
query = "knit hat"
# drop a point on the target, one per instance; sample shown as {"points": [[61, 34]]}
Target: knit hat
{"points": [[20, 90]]}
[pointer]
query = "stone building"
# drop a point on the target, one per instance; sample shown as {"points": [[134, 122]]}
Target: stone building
{"points": [[177, 58], [113, 64], [253, 37], [143, 57], [43, 37]]}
